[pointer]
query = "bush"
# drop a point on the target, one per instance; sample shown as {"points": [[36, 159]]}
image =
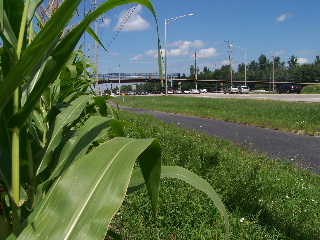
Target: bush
{"points": [[311, 89]]}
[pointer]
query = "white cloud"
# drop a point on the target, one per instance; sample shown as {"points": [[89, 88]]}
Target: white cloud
{"points": [[278, 53], [225, 62], [183, 47], [187, 44], [208, 52], [137, 57], [180, 48], [284, 17], [149, 53], [106, 23], [178, 52], [153, 53], [303, 60], [135, 21]]}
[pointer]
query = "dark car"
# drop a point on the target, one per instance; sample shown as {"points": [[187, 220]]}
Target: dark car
{"points": [[289, 88]]}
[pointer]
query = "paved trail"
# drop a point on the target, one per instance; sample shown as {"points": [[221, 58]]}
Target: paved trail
{"points": [[299, 149]]}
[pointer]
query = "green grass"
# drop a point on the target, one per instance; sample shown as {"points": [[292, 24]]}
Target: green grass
{"points": [[266, 198], [286, 116]]}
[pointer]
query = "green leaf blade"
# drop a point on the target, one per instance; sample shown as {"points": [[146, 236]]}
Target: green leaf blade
{"points": [[66, 117], [37, 49], [77, 146], [82, 203]]}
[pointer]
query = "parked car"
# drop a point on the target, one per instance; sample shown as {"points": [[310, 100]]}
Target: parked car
{"points": [[187, 91], [194, 91], [177, 91], [203, 90], [289, 88], [143, 92], [243, 89], [170, 91], [156, 92], [231, 89]]}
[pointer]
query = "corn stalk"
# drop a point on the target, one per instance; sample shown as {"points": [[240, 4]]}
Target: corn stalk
{"points": [[79, 163]]}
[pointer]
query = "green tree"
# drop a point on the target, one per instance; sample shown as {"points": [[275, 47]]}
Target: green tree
{"points": [[264, 64], [280, 71], [206, 70], [241, 67], [192, 71], [253, 71], [317, 60], [305, 73], [293, 62], [223, 73], [240, 74], [205, 74]]}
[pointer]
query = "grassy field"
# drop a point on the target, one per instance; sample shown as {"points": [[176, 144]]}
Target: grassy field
{"points": [[266, 198], [286, 116]]}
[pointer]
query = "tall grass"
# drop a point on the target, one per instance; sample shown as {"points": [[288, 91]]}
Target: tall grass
{"points": [[287, 116], [267, 198]]}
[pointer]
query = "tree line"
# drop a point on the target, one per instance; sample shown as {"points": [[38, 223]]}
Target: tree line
{"points": [[263, 70], [260, 70]]}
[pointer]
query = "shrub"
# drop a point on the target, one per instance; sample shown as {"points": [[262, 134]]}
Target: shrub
{"points": [[311, 89]]}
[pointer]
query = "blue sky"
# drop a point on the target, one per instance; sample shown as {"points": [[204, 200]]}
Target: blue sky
{"points": [[275, 27]]}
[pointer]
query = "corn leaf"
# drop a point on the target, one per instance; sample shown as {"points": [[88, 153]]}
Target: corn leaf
{"points": [[37, 49], [67, 116], [60, 55], [84, 199], [78, 145]]}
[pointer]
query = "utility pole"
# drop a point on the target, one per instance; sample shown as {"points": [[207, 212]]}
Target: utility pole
{"points": [[195, 70], [230, 60]]}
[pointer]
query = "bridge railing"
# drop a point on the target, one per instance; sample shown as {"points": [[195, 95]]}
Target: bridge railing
{"points": [[137, 76]]}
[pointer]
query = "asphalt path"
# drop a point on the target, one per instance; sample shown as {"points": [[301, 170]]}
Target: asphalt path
{"points": [[301, 150]]}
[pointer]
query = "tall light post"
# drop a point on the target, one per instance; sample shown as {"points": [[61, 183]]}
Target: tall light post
{"points": [[119, 80], [245, 66], [167, 21], [273, 74]]}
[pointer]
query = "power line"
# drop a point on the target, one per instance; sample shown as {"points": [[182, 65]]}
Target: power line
{"points": [[123, 23]]}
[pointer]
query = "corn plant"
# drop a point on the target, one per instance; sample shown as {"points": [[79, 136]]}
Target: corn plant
{"points": [[65, 165]]}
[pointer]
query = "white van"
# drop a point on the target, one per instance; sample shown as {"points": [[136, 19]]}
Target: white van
{"points": [[203, 90], [243, 89]]}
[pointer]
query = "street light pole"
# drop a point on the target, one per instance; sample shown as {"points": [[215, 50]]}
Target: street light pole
{"points": [[167, 21], [119, 80], [245, 66]]}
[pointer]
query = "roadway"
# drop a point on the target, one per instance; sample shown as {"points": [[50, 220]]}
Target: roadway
{"points": [[261, 96], [301, 150]]}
